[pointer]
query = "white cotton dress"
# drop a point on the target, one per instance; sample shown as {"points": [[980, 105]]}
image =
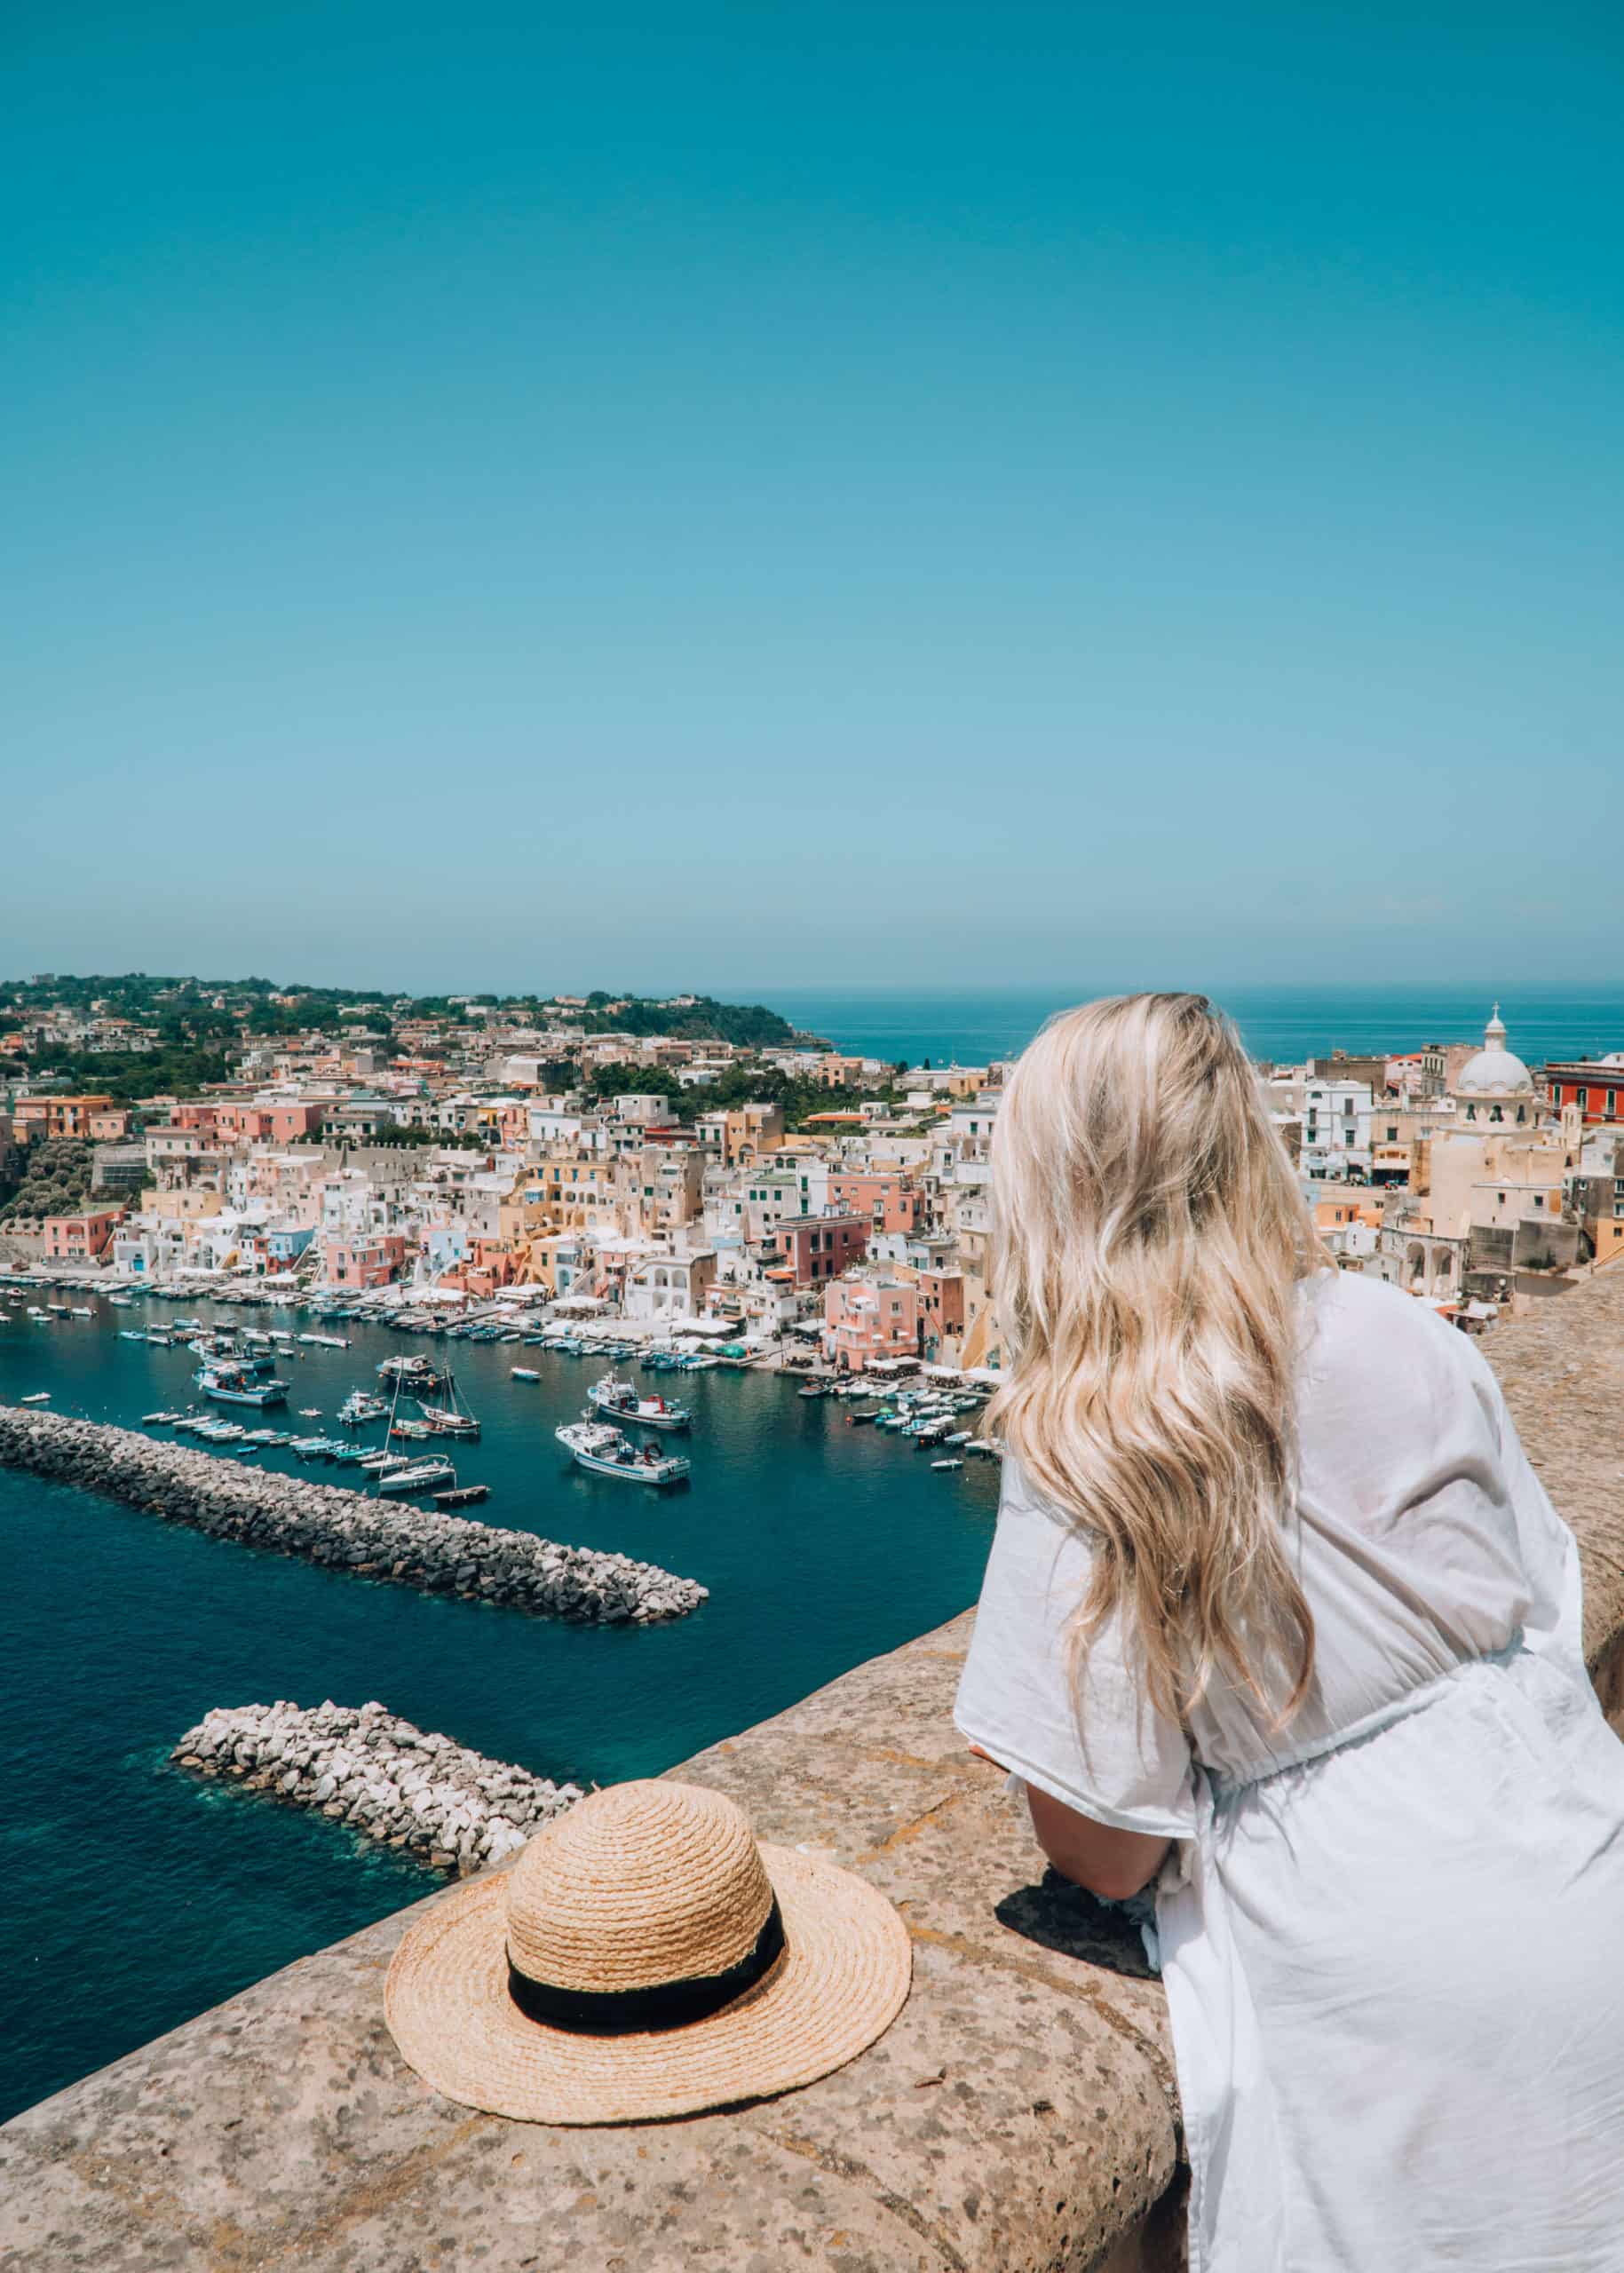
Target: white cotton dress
{"points": [[1393, 1939]]}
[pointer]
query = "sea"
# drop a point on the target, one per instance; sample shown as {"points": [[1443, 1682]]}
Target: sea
{"points": [[972, 1026], [137, 1898]]}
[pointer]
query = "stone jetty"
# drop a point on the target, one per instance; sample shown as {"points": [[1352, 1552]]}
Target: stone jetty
{"points": [[452, 1808], [388, 1540]]}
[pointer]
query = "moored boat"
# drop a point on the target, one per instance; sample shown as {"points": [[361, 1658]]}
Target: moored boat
{"points": [[418, 1476], [594, 1446], [231, 1385], [621, 1401]]}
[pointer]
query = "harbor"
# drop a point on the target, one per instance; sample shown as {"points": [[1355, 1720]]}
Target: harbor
{"points": [[118, 1631]]}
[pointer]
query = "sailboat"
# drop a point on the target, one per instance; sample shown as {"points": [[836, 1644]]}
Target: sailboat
{"points": [[452, 1418]]}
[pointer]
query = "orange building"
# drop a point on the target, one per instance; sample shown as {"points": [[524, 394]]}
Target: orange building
{"points": [[59, 1118]]}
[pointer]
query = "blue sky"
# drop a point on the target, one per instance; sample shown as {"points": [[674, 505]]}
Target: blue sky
{"points": [[748, 495]]}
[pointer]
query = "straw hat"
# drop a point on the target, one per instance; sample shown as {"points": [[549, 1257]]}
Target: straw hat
{"points": [[644, 1958]]}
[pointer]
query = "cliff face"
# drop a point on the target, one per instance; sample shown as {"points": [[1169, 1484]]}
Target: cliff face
{"points": [[1020, 2113]]}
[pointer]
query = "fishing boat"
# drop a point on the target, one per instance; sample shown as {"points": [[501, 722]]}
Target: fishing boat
{"points": [[159, 1420], [594, 1445], [84, 1313], [40, 1396], [132, 1334], [946, 1463], [857, 1420], [418, 1475], [360, 1407], [409, 1429], [524, 1372], [326, 1341], [231, 1385], [609, 1396]]}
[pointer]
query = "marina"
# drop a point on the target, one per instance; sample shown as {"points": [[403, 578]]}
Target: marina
{"points": [[786, 1508]]}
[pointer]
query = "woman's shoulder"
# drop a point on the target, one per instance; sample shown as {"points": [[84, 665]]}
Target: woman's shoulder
{"points": [[1368, 1341]]}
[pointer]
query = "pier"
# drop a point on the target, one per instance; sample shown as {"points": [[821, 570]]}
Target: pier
{"points": [[453, 1808], [395, 1542]]}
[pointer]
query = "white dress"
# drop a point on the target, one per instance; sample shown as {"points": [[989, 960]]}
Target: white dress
{"points": [[1393, 1942]]}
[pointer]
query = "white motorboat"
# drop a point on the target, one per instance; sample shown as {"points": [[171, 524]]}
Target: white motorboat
{"points": [[620, 1401], [594, 1446]]}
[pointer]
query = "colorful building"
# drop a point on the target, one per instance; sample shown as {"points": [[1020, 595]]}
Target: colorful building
{"points": [[867, 1318], [807, 1250], [1593, 1085], [81, 1238], [373, 1261]]}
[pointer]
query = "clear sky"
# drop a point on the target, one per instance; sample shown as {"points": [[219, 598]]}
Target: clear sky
{"points": [[748, 494]]}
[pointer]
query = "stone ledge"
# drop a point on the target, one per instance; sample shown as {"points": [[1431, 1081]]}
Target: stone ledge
{"points": [[1021, 2113]]}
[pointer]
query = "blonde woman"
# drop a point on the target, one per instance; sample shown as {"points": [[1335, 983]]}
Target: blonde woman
{"points": [[1279, 1617]]}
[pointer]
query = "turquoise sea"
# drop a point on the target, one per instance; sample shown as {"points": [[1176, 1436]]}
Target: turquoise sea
{"points": [[136, 1897], [1287, 1023]]}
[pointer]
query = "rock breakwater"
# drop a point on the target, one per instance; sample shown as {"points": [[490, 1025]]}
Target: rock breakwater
{"points": [[367, 1767], [386, 1540]]}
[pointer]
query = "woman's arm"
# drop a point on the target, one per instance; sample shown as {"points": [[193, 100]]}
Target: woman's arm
{"points": [[1108, 1863]]}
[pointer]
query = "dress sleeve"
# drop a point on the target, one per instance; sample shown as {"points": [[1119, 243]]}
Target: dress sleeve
{"points": [[1553, 1625], [1104, 1750]]}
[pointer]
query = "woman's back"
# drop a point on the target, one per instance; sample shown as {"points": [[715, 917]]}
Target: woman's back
{"points": [[1422, 1537], [1390, 1937]]}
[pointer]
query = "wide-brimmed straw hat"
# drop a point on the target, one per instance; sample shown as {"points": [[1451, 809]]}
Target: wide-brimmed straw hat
{"points": [[644, 1958]]}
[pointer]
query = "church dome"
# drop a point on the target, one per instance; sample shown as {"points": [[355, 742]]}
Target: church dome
{"points": [[1494, 1072]]}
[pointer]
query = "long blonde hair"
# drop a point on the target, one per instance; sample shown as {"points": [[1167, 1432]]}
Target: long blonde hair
{"points": [[1149, 1235]]}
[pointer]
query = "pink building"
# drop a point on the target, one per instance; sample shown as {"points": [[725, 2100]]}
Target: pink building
{"points": [[865, 1319], [887, 1197], [370, 1262], [269, 1124], [81, 1238]]}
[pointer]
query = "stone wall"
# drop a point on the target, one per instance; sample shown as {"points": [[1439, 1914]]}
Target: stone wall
{"points": [[1021, 2112], [390, 1540]]}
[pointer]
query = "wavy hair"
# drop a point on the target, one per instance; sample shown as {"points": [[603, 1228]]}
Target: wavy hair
{"points": [[1149, 1235]]}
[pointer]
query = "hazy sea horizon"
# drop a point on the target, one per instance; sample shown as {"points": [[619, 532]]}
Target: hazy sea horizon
{"points": [[972, 1026]]}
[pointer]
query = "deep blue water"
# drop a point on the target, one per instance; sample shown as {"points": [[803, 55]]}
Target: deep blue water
{"points": [[1284, 1023], [136, 1898]]}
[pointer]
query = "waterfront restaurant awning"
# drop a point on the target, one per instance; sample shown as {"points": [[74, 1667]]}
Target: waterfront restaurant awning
{"points": [[726, 1326]]}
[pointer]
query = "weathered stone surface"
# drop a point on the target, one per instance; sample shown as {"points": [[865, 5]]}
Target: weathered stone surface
{"points": [[1020, 2113], [385, 1539]]}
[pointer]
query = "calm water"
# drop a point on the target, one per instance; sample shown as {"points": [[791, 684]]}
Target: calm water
{"points": [[136, 1898], [1287, 1023]]}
